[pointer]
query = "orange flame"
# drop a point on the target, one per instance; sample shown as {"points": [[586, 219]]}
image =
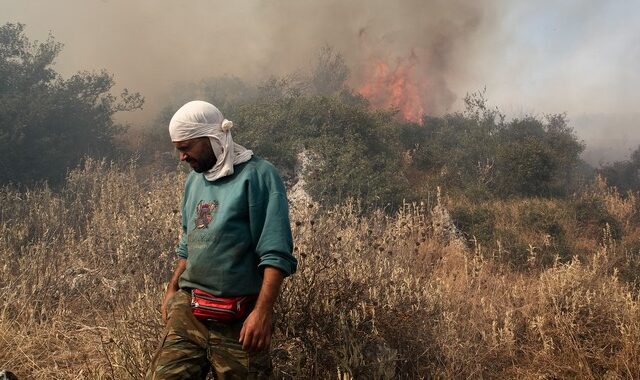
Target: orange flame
{"points": [[400, 88]]}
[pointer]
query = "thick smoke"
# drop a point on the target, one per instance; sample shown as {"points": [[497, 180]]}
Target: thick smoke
{"points": [[435, 34], [544, 57], [150, 45]]}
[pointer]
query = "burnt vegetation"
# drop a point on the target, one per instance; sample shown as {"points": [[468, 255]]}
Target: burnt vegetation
{"points": [[465, 246]]}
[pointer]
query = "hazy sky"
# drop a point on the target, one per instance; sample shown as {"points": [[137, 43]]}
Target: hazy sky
{"points": [[579, 57], [569, 55]]}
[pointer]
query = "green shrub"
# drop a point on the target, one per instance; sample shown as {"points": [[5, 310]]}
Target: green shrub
{"points": [[548, 221], [593, 218], [475, 222], [49, 124]]}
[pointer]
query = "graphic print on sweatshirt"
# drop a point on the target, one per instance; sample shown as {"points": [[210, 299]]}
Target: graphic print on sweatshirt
{"points": [[204, 213]]}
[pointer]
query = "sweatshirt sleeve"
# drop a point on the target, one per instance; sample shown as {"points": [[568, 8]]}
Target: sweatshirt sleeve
{"points": [[270, 227], [181, 249]]}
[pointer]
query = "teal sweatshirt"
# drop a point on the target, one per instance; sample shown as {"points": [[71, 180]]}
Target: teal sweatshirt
{"points": [[233, 227]]}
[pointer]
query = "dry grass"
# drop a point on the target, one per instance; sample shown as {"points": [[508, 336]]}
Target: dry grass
{"points": [[82, 274]]}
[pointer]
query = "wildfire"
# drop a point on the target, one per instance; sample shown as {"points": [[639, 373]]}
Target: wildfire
{"points": [[400, 88]]}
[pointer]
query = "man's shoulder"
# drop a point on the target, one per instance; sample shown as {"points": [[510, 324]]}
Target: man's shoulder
{"points": [[260, 166], [262, 174]]}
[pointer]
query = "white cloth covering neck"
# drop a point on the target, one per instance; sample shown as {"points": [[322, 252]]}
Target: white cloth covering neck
{"points": [[201, 119]]}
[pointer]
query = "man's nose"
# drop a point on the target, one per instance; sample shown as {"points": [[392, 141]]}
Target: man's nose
{"points": [[183, 156]]}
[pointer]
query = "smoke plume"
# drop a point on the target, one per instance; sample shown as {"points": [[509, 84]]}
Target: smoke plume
{"points": [[543, 57], [150, 45]]}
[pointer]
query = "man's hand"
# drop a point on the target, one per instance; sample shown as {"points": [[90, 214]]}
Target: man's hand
{"points": [[256, 330], [165, 300], [172, 288]]}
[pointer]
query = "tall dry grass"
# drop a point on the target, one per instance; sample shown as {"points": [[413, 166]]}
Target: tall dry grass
{"points": [[82, 273]]}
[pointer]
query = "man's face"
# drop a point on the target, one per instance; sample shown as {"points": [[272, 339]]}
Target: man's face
{"points": [[197, 152]]}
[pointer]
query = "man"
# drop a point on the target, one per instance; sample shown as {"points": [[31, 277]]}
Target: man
{"points": [[236, 245]]}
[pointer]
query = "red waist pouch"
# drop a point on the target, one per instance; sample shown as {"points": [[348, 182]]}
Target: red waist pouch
{"points": [[205, 306]]}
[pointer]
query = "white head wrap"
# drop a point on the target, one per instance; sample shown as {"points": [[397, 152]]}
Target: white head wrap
{"points": [[201, 119]]}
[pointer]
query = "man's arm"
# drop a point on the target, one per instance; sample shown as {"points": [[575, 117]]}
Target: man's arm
{"points": [[172, 288], [256, 330]]}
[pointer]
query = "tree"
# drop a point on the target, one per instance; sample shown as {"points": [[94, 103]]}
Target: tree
{"points": [[330, 72], [354, 151], [47, 123], [537, 157], [479, 153], [624, 175]]}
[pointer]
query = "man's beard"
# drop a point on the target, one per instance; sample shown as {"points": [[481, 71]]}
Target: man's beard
{"points": [[201, 167]]}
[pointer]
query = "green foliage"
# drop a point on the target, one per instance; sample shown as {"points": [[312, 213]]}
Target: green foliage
{"points": [[522, 234], [480, 154], [535, 157], [624, 175], [371, 155], [358, 152], [542, 219], [592, 216], [475, 222], [352, 150], [48, 123], [524, 168]]}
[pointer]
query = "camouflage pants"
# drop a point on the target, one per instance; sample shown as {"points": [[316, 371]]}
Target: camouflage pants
{"points": [[190, 348]]}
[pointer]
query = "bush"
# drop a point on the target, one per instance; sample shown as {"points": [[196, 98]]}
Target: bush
{"points": [[594, 219], [624, 175], [475, 222], [357, 152], [48, 123]]}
